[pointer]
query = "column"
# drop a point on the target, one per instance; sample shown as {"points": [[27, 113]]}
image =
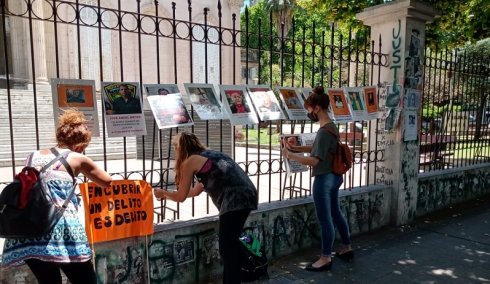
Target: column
{"points": [[401, 26], [39, 42], [19, 39]]}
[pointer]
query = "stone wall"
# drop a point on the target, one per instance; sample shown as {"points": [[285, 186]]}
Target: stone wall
{"points": [[187, 252], [439, 190]]}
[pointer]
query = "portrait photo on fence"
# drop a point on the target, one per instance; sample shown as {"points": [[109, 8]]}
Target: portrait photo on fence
{"points": [[292, 102], [356, 103], [305, 93], [78, 94], [123, 109], [265, 102], [371, 100], [205, 101], [238, 104], [167, 106], [339, 105]]}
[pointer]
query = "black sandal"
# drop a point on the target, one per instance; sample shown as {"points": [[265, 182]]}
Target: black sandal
{"points": [[346, 256]]}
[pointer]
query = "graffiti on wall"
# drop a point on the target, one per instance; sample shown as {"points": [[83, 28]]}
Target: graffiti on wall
{"points": [[121, 265], [293, 231], [391, 111], [161, 261], [364, 212], [409, 169], [435, 193], [210, 249]]}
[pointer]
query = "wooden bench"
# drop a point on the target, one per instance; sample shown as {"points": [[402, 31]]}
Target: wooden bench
{"points": [[353, 135], [352, 138], [435, 155]]}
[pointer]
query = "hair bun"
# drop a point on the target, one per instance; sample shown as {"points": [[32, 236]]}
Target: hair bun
{"points": [[319, 90]]}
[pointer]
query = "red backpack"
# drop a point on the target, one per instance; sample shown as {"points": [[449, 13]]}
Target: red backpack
{"points": [[342, 159]]}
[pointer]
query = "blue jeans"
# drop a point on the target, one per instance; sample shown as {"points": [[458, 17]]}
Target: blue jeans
{"points": [[326, 198]]}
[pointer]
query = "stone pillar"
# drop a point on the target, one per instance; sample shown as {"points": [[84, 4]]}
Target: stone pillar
{"points": [[401, 27], [234, 8], [39, 42], [19, 43]]}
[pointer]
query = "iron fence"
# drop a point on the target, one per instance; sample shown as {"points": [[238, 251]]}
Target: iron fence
{"points": [[133, 41], [455, 117]]}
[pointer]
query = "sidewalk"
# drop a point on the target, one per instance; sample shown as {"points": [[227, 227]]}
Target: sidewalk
{"points": [[449, 246]]}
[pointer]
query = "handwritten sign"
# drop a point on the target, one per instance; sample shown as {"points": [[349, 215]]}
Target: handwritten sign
{"points": [[123, 210]]}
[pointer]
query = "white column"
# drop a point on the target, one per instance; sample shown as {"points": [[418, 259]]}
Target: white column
{"points": [[39, 42], [19, 43], [396, 22]]}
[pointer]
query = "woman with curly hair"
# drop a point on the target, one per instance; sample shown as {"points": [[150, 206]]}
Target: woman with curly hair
{"points": [[65, 247], [228, 186]]}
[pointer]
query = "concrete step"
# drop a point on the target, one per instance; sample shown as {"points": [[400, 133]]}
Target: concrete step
{"points": [[24, 135]]}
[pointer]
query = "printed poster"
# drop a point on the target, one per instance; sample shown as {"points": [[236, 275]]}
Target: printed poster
{"points": [[167, 106], [391, 118], [238, 105], [205, 101], [293, 166], [356, 103], [305, 93], [339, 105], [371, 100], [123, 109], [307, 139], [411, 99], [79, 94], [123, 210], [265, 102], [411, 129], [293, 103], [394, 95]]}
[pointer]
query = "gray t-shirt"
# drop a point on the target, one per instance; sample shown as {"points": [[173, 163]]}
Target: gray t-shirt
{"points": [[324, 146]]}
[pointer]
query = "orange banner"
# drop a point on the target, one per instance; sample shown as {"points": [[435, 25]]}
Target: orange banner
{"points": [[125, 209]]}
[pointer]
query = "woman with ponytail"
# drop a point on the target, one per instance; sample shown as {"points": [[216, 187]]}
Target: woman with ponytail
{"points": [[227, 184]]}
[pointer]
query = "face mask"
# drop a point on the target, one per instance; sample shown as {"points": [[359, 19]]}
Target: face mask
{"points": [[312, 117]]}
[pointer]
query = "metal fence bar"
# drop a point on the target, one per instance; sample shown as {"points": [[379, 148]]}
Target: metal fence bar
{"points": [[326, 53]]}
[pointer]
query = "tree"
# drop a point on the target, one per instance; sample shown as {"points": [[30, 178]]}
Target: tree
{"points": [[310, 25], [472, 69], [460, 21], [282, 14]]}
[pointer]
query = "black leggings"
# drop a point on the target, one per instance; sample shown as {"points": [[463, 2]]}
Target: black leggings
{"points": [[49, 272], [230, 228]]}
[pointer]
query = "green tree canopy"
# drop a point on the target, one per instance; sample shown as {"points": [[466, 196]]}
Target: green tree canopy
{"points": [[460, 21]]}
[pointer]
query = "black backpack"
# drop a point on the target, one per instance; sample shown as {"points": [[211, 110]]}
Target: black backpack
{"points": [[254, 262], [27, 209]]}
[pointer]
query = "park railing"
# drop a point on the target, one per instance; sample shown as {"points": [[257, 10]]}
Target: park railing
{"points": [[455, 116], [179, 43]]}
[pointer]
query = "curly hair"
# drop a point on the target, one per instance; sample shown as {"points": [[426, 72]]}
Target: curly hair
{"points": [[186, 144], [72, 133]]}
